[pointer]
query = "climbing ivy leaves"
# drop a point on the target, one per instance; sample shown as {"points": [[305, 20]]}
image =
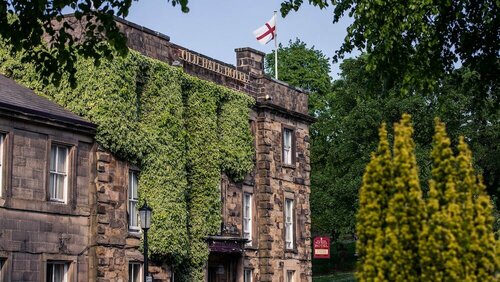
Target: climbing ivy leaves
{"points": [[181, 131]]}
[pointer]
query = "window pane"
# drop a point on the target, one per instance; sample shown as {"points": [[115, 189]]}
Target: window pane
{"points": [[289, 276], [57, 272], [248, 275], [287, 138], [134, 272], [287, 146], [135, 186], [52, 186], [50, 272], [60, 187], [247, 216], [61, 159], [53, 157], [133, 219], [133, 216], [130, 184], [289, 223]]}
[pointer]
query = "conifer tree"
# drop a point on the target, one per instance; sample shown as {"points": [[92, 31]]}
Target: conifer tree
{"points": [[447, 237], [373, 198], [439, 248], [405, 208], [481, 258]]}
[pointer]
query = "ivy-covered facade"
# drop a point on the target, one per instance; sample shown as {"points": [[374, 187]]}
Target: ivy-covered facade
{"points": [[221, 153]]}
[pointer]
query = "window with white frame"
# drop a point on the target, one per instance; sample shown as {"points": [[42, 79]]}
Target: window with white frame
{"points": [[248, 275], [133, 214], [134, 272], [2, 138], [290, 275], [58, 187], [287, 146], [247, 217], [57, 271], [289, 224]]}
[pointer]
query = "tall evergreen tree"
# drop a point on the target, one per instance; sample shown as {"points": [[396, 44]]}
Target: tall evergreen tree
{"points": [[447, 237], [439, 248], [405, 208], [481, 259], [373, 198]]}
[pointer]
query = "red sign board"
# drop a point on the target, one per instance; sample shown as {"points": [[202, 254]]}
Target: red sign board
{"points": [[322, 247]]}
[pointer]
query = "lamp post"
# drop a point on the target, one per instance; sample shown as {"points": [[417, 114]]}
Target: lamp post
{"points": [[145, 216]]}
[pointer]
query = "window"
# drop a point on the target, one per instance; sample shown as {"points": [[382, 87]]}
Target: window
{"points": [[133, 214], [290, 275], [134, 272], [289, 224], [288, 146], [2, 272], [2, 138], [57, 271], [247, 217], [58, 173], [248, 275]]}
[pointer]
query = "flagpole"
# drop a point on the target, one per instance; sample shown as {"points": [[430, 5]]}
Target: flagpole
{"points": [[276, 46]]}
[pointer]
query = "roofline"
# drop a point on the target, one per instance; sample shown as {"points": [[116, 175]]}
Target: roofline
{"points": [[76, 124], [167, 38], [143, 28], [273, 107]]}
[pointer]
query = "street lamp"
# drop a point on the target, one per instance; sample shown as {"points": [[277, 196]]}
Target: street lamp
{"points": [[145, 216]]}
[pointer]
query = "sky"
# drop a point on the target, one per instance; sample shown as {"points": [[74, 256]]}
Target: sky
{"points": [[215, 28]]}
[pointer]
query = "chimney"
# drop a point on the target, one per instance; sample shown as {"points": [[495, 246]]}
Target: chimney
{"points": [[250, 60]]}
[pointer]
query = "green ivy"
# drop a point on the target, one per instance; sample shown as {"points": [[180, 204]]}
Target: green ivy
{"points": [[183, 132]]}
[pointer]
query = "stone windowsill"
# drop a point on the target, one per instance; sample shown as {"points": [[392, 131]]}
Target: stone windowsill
{"points": [[134, 233], [292, 166]]}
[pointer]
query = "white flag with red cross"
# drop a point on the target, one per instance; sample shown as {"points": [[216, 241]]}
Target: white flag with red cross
{"points": [[267, 32]]}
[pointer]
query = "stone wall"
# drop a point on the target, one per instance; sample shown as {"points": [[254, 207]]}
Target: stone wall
{"points": [[278, 105], [116, 245], [35, 230], [158, 46], [276, 182]]}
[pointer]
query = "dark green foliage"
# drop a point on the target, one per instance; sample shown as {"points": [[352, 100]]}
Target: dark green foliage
{"points": [[342, 258], [346, 133], [416, 42], [181, 131], [24, 22], [302, 67], [203, 162], [233, 112]]}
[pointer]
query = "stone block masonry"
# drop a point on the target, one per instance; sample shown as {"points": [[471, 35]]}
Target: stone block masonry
{"points": [[272, 182]]}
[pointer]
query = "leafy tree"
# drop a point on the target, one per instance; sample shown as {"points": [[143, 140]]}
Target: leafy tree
{"points": [[455, 102], [416, 42], [348, 114], [24, 23], [345, 134], [302, 67]]}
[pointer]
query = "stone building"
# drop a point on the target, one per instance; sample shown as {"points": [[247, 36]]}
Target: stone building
{"points": [[265, 234], [63, 200], [88, 229]]}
